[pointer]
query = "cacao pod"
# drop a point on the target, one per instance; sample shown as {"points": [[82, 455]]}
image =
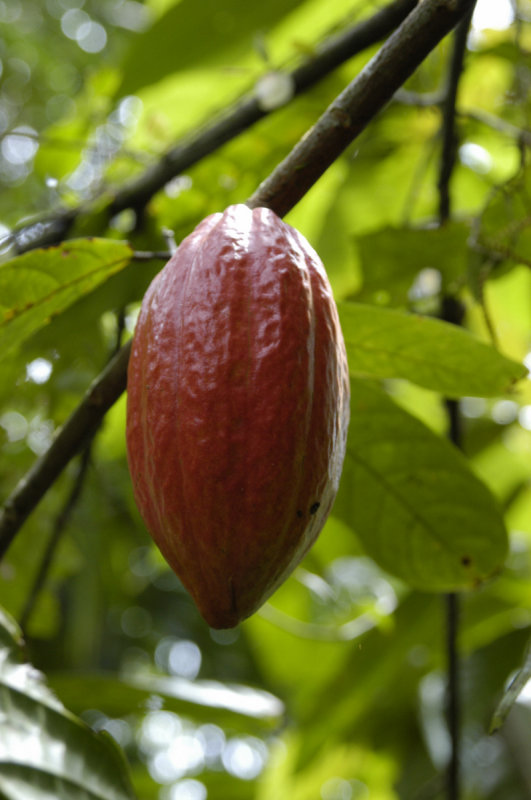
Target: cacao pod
{"points": [[237, 410]]}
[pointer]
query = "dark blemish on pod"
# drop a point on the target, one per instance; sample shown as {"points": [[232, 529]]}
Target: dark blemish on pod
{"points": [[466, 561], [299, 513], [314, 507]]}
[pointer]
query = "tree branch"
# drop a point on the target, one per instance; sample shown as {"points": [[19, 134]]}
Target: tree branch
{"points": [[406, 49], [184, 155]]}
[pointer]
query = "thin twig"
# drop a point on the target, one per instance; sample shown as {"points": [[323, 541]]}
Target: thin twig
{"points": [[449, 134], [433, 99], [137, 193], [423, 29], [453, 709], [453, 312], [453, 605], [53, 542], [521, 135], [151, 255]]}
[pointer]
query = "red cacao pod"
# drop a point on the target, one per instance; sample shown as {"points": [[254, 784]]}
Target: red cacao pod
{"points": [[237, 410]]}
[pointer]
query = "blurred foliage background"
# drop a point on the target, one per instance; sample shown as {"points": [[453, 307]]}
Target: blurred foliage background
{"points": [[336, 688]]}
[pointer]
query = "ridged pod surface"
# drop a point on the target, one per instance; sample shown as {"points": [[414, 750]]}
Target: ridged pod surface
{"points": [[237, 410]]}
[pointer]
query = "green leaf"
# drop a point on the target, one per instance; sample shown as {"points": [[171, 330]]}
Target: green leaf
{"points": [[37, 285], [199, 33], [391, 259], [359, 767], [61, 150], [504, 230], [512, 693], [44, 750], [412, 500], [234, 706], [384, 343]]}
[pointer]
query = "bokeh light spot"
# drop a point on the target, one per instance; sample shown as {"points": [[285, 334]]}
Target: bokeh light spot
{"points": [[20, 146], [39, 370], [244, 757], [91, 37]]}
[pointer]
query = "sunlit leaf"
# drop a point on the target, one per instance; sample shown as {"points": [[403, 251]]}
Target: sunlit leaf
{"points": [[343, 770], [391, 259], [206, 701], [191, 33], [504, 229], [413, 501], [44, 750], [61, 150], [512, 693], [386, 343], [37, 285]]}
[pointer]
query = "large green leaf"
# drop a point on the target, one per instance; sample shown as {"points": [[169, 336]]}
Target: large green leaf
{"points": [[413, 501], [391, 259], [234, 706], [37, 285], [384, 343], [45, 751], [504, 229], [204, 33]]}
